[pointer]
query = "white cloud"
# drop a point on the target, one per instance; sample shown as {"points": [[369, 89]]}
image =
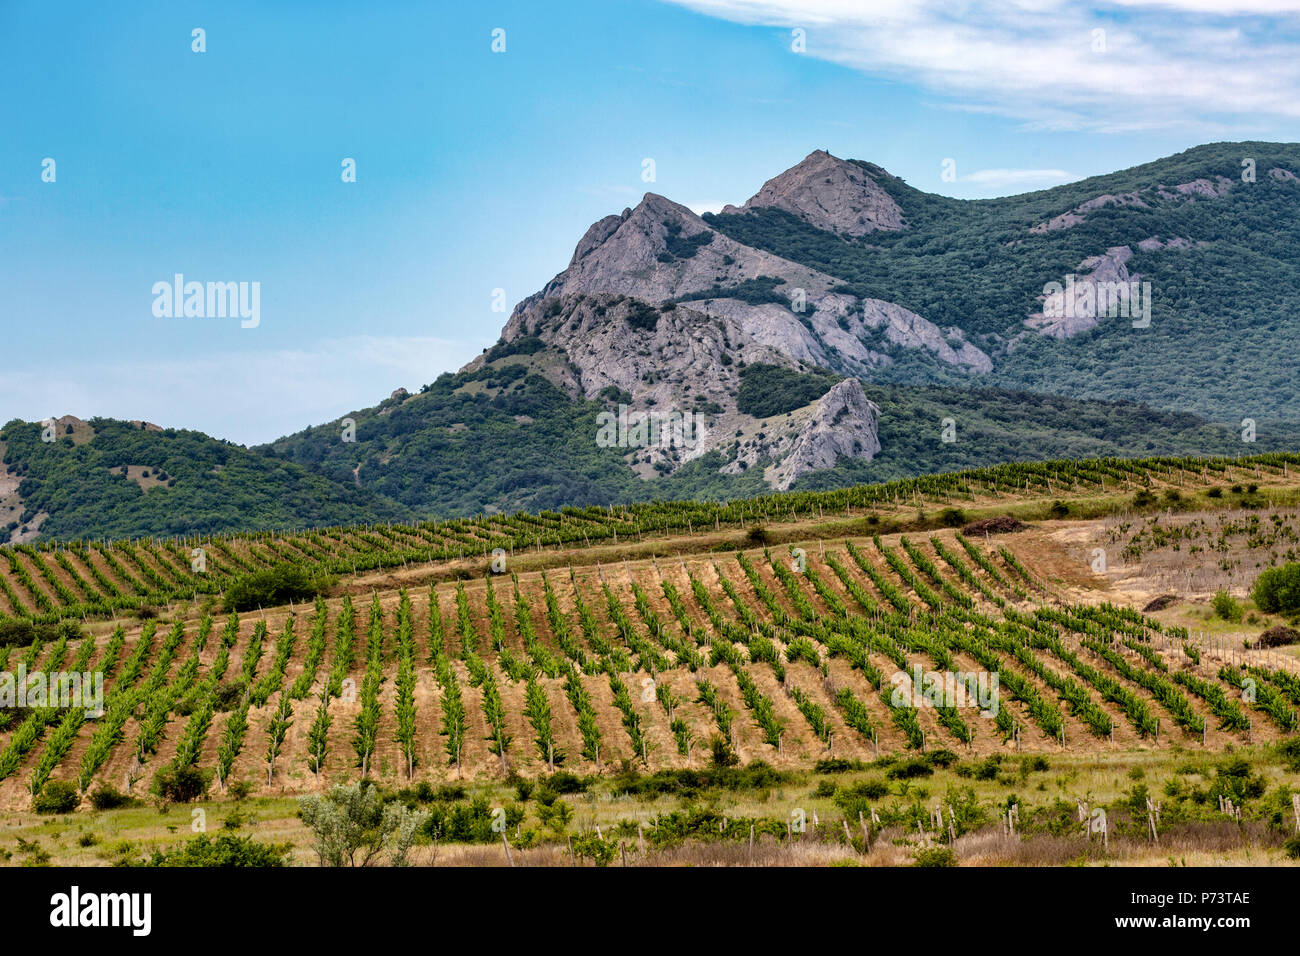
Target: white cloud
{"points": [[1194, 63], [1028, 178], [248, 397]]}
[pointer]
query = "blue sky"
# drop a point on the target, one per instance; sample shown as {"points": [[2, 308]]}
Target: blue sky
{"points": [[479, 170]]}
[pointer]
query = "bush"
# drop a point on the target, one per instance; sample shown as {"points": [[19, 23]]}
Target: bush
{"points": [[1277, 590], [58, 796], [1292, 848], [106, 798], [22, 633], [1058, 509], [909, 769], [935, 856], [273, 586], [592, 847], [1000, 524], [225, 850], [1227, 607], [180, 784], [643, 316], [353, 826], [1279, 636], [952, 517], [723, 755]]}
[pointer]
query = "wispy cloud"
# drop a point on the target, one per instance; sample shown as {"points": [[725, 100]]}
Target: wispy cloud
{"points": [[1105, 66], [248, 397]]}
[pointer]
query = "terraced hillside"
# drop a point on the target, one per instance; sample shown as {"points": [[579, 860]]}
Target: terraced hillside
{"points": [[789, 654]]}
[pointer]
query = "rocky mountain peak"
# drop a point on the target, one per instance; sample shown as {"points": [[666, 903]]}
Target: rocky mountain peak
{"points": [[843, 424], [831, 194]]}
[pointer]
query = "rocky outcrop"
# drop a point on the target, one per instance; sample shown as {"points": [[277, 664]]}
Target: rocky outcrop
{"points": [[844, 423], [1075, 309], [659, 306], [662, 251], [830, 194], [1197, 188], [1080, 212], [1155, 243]]}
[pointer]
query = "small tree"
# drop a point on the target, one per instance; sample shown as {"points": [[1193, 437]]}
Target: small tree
{"points": [[1277, 590], [1227, 607], [351, 826]]}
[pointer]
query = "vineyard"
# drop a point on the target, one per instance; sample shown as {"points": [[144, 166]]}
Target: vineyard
{"points": [[851, 648], [50, 581]]}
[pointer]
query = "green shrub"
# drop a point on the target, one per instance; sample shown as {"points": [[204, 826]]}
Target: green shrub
{"points": [[180, 784], [58, 796], [952, 517], [22, 633], [1292, 848], [935, 856], [592, 847], [909, 769], [1227, 607], [224, 850], [273, 586], [722, 753], [106, 798], [1277, 590], [643, 316]]}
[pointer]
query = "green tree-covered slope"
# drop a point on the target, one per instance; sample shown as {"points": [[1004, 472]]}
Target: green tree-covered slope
{"points": [[1224, 324], [194, 484]]}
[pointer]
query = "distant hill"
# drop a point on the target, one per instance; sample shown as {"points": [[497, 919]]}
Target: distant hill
{"points": [[106, 478]]}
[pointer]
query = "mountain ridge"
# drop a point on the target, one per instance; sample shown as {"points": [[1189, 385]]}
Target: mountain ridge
{"points": [[825, 331]]}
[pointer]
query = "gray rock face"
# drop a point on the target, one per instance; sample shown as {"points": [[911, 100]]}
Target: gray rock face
{"points": [[1155, 243], [831, 194], [1061, 318], [1080, 212], [844, 423], [1197, 189], [631, 255], [643, 307]]}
